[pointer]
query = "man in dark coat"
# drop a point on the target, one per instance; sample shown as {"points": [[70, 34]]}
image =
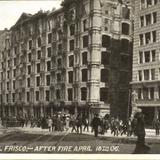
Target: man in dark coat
{"points": [[95, 124], [140, 132], [79, 124], [157, 126]]}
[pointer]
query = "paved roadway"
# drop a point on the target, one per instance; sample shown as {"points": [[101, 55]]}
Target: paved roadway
{"points": [[36, 140]]}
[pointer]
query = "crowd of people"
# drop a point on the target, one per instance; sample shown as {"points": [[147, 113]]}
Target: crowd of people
{"points": [[78, 124]]}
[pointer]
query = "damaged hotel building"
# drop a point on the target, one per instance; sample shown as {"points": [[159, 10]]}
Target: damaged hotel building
{"points": [[76, 59]]}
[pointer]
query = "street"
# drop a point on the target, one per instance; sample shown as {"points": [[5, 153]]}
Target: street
{"points": [[26, 140]]}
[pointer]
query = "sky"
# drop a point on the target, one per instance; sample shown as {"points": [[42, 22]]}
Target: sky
{"points": [[11, 10]]}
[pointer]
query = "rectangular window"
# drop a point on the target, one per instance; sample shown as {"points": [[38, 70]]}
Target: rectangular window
{"points": [[140, 57], [58, 94], [72, 29], [59, 62], [154, 36], [47, 95], [37, 95], [84, 75], [155, 17], [142, 21], [145, 93], [30, 44], [85, 41], [28, 96], [70, 77], [148, 38], [28, 82], [84, 58], [125, 12], [83, 93], [48, 65], [147, 56], [49, 52], [146, 75], [71, 45], [85, 25], [29, 70], [58, 77], [105, 58], [13, 97], [38, 55], [104, 94], [29, 57], [153, 55], [48, 80], [39, 42], [140, 75], [149, 3], [152, 74], [38, 68], [70, 94], [104, 75], [38, 81], [71, 61], [141, 39], [49, 38], [151, 93], [14, 84], [148, 19]]}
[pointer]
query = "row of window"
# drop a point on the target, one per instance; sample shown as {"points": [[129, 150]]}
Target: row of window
{"points": [[147, 56], [147, 3], [147, 38], [148, 19], [103, 95], [148, 93], [146, 75]]}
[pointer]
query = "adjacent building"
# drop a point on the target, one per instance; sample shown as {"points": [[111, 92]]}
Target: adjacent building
{"points": [[76, 59], [146, 58]]}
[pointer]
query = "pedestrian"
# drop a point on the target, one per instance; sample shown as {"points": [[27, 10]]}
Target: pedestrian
{"points": [[86, 124], [74, 124], [79, 124], [95, 124], [129, 128], [157, 126], [140, 132], [67, 121], [50, 124], [116, 127]]}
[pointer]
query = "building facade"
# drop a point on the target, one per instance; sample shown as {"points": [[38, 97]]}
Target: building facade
{"points": [[146, 58], [76, 60]]}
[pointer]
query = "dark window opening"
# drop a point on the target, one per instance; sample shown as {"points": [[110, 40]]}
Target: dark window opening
{"points": [[139, 93], [30, 44], [70, 76], [84, 75], [59, 62], [141, 39], [72, 30], [47, 95], [148, 19], [104, 75], [28, 82], [105, 58], [58, 94], [125, 28], [153, 55], [140, 75], [152, 74], [39, 42], [29, 57], [48, 80], [125, 12], [49, 52], [106, 41], [28, 96], [58, 77], [37, 81], [124, 45], [38, 68], [147, 56], [71, 45], [29, 69], [49, 38], [71, 61], [142, 21], [84, 58], [85, 41], [140, 57], [70, 94], [148, 38], [59, 48], [83, 94], [146, 75], [154, 36], [85, 25], [48, 65], [104, 94], [151, 93], [37, 95], [38, 54]]}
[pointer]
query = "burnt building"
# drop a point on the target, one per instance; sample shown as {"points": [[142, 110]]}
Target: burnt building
{"points": [[146, 68], [76, 59]]}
